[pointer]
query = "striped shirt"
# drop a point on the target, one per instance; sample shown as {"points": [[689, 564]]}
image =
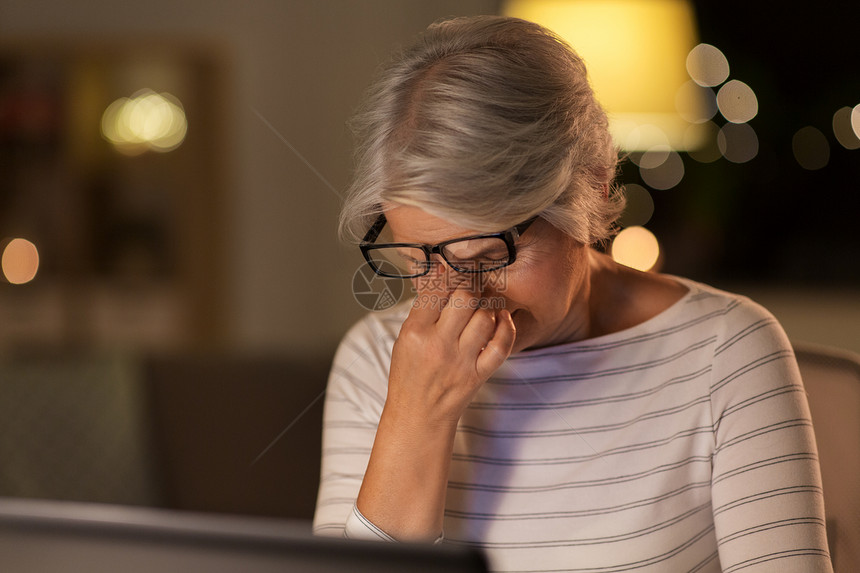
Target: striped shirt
{"points": [[681, 444]]}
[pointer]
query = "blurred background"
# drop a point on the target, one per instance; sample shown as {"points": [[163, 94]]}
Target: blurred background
{"points": [[170, 177]]}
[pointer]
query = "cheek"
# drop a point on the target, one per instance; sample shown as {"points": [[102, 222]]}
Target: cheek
{"points": [[540, 292], [502, 284], [516, 288]]}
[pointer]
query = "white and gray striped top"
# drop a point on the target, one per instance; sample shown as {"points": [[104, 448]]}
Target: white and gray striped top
{"points": [[681, 444]]}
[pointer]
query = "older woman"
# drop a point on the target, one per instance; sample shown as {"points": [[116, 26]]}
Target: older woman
{"points": [[537, 399]]}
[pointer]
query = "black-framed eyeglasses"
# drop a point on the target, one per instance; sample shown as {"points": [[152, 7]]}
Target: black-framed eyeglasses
{"points": [[473, 254]]}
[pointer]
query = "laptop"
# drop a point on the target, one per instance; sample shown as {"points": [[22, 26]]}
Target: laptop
{"points": [[73, 537]]}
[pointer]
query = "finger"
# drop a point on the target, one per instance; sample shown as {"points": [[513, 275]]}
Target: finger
{"points": [[459, 310], [445, 282], [431, 296], [499, 346], [461, 281], [477, 332]]}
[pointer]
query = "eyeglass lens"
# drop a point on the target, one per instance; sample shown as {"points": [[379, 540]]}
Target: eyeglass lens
{"points": [[468, 255]]}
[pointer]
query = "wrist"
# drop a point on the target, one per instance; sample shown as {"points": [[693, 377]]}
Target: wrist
{"points": [[421, 429]]}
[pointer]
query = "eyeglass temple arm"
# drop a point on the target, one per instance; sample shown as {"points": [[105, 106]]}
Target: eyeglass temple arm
{"points": [[375, 229], [521, 228]]}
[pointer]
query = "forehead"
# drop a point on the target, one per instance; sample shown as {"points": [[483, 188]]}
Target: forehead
{"points": [[409, 224]]}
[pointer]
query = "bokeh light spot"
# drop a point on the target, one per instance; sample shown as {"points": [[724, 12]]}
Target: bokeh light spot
{"points": [[810, 148], [707, 65], [705, 133], [636, 247], [639, 208], [644, 136], [694, 103], [664, 175], [654, 157], [738, 142], [20, 261], [855, 120], [145, 121], [843, 130], [737, 102]]}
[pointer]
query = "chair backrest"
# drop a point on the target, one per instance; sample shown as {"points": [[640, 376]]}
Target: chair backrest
{"points": [[74, 426], [832, 381]]}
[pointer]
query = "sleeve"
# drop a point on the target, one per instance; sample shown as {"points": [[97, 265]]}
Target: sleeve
{"points": [[355, 395], [766, 486]]}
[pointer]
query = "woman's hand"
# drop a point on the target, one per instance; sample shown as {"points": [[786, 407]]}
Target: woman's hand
{"points": [[447, 348]]}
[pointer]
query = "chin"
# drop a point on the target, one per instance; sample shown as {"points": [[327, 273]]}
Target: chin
{"points": [[519, 348]]}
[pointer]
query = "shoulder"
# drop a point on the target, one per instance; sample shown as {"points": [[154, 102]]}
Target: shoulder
{"points": [[359, 372], [737, 316], [752, 355], [632, 300], [378, 327], [738, 328], [370, 340]]}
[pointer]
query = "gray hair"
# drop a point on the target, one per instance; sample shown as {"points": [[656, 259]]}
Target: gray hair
{"points": [[485, 122]]}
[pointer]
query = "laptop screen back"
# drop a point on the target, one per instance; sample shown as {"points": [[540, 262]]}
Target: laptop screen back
{"points": [[47, 536]]}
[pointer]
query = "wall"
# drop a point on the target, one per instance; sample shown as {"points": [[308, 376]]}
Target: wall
{"points": [[295, 71]]}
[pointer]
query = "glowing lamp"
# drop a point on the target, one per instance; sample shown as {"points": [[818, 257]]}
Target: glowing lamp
{"points": [[636, 54]]}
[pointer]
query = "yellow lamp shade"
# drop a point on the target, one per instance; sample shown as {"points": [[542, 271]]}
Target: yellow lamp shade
{"points": [[636, 52]]}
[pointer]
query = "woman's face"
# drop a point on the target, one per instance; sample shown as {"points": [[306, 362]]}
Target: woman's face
{"points": [[546, 289]]}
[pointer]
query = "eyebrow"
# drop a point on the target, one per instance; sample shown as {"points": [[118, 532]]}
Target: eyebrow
{"points": [[479, 251]]}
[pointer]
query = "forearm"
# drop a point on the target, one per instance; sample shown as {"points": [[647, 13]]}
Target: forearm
{"points": [[442, 356], [403, 492]]}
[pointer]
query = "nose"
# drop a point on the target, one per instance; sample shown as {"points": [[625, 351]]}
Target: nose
{"points": [[434, 279], [442, 277], [452, 279]]}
